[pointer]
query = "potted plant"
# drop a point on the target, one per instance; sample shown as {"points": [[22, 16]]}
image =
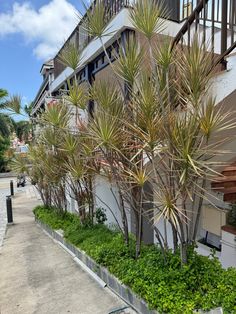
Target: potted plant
{"points": [[231, 218]]}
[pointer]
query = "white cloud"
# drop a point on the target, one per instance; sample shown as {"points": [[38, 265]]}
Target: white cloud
{"points": [[47, 27]]}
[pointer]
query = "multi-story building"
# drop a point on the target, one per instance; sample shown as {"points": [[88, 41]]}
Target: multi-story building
{"points": [[215, 23]]}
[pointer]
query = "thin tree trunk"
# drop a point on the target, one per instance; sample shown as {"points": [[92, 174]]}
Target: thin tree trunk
{"points": [[137, 248], [199, 210], [175, 238], [137, 198], [165, 234], [157, 234], [91, 198], [183, 253], [124, 219], [183, 245]]}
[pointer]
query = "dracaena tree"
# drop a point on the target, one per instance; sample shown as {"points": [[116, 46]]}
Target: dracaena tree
{"points": [[167, 132], [79, 168]]}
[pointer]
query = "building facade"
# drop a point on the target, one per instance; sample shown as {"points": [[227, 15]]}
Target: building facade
{"points": [[214, 21]]}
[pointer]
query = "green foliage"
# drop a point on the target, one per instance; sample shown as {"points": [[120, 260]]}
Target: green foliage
{"points": [[20, 164], [96, 20], [166, 286], [6, 128], [3, 93], [77, 95], [70, 56], [28, 108], [54, 218], [232, 216], [129, 62], [146, 17], [4, 145], [23, 129], [13, 104], [100, 215], [6, 125]]}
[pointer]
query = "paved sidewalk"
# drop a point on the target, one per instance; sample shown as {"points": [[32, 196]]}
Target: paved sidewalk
{"points": [[38, 277]]}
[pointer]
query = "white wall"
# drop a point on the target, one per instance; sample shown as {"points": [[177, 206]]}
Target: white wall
{"points": [[228, 254], [161, 227], [224, 83], [104, 198]]}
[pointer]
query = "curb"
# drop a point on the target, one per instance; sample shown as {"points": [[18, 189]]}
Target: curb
{"points": [[4, 175]]}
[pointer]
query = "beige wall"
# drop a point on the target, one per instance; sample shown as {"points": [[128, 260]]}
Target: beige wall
{"points": [[107, 74]]}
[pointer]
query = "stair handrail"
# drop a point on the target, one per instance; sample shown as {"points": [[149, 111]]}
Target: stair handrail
{"points": [[189, 22], [221, 58]]}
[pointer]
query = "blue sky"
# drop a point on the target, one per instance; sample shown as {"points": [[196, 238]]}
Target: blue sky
{"points": [[31, 32]]}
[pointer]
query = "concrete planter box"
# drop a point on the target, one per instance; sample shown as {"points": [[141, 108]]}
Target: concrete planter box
{"points": [[228, 252], [112, 282]]}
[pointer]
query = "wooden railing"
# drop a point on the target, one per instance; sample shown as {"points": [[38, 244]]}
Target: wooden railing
{"points": [[112, 8], [214, 22]]}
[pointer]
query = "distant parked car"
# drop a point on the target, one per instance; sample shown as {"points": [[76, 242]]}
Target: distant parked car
{"points": [[21, 180]]}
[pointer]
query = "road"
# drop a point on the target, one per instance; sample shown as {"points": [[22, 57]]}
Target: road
{"points": [[4, 190]]}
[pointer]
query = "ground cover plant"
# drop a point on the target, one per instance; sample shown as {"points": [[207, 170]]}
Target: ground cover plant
{"points": [[165, 285]]}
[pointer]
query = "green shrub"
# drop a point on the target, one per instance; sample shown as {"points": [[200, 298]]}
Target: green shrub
{"points": [[56, 220], [4, 145], [231, 219], [100, 215], [166, 286]]}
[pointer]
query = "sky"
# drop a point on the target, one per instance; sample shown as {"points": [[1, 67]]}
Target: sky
{"points": [[31, 32]]}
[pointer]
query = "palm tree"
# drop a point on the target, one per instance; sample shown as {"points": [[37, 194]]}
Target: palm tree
{"points": [[3, 95]]}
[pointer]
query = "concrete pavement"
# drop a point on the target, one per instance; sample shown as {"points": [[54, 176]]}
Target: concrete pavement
{"points": [[38, 277]]}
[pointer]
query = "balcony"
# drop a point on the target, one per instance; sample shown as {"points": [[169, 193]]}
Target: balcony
{"points": [[40, 102], [178, 10]]}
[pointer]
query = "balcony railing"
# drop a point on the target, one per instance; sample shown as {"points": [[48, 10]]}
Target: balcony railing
{"points": [[40, 102], [178, 10], [213, 16], [212, 10], [214, 21], [112, 8]]}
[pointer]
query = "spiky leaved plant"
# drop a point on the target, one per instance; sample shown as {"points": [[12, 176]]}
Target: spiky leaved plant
{"points": [[168, 127], [3, 95], [71, 56], [79, 173]]}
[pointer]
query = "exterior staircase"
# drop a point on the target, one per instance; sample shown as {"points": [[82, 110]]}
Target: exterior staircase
{"points": [[226, 183], [214, 22]]}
